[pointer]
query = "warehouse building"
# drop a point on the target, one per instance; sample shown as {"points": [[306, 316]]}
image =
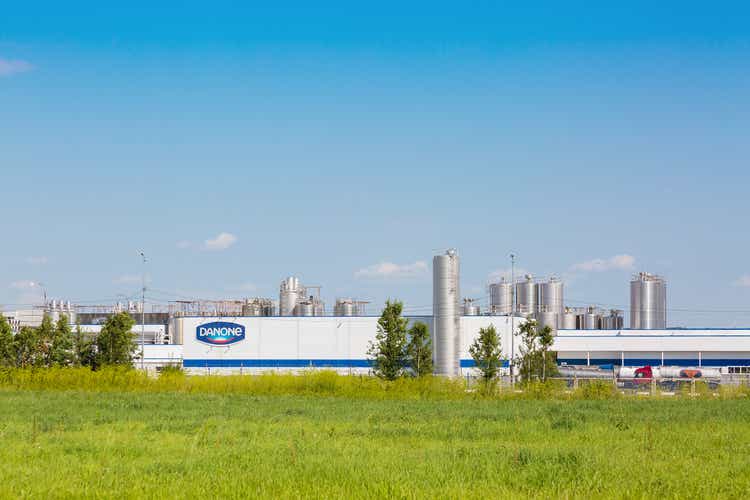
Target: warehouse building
{"points": [[251, 344], [303, 337]]}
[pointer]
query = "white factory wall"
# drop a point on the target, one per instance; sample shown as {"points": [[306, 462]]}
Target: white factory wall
{"points": [[705, 347], [159, 355], [293, 343], [341, 343]]}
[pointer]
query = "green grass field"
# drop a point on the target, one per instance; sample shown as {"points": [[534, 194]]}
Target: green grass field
{"points": [[135, 443]]}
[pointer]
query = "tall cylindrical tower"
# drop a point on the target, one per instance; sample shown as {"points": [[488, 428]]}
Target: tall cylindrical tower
{"points": [[446, 310], [648, 302], [290, 292]]}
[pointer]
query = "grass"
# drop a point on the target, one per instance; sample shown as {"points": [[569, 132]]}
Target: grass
{"points": [[274, 437]]}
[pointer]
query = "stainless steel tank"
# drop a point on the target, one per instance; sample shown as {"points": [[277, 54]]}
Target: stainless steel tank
{"points": [[590, 321], [501, 297], [551, 295], [304, 309], [547, 318], [446, 314], [613, 321], [526, 293], [568, 320], [648, 302], [252, 309], [343, 307], [289, 294], [319, 308], [470, 308]]}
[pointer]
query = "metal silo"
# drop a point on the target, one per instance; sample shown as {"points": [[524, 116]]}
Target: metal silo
{"points": [[526, 291], [501, 297], [304, 308], [290, 293], [547, 318], [252, 308], [591, 319], [648, 302], [470, 308], [613, 321], [551, 295], [568, 320], [343, 307], [446, 313]]}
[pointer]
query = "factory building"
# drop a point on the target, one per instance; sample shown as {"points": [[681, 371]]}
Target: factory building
{"points": [[220, 344], [584, 336], [295, 332]]}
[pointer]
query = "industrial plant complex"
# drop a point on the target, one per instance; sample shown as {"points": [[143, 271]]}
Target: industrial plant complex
{"points": [[296, 331]]}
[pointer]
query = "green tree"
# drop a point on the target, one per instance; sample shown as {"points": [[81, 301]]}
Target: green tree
{"points": [[115, 344], [537, 362], [83, 348], [7, 351], [419, 349], [388, 352], [61, 348], [26, 347], [487, 354], [45, 334]]}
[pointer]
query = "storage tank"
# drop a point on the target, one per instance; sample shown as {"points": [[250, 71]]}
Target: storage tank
{"points": [[343, 307], [446, 313], [501, 297], [568, 320], [591, 320], [547, 318], [470, 308], [252, 309], [648, 302], [613, 321], [526, 293], [319, 308], [290, 293], [551, 295], [304, 308]]}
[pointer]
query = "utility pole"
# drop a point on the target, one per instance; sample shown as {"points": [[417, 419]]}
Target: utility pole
{"points": [[143, 308], [512, 315]]}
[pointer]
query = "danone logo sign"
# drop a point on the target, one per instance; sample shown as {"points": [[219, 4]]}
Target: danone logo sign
{"points": [[220, 333]]}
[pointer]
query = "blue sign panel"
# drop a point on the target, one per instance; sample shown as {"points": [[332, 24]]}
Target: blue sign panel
{"points": [[220, 333]]}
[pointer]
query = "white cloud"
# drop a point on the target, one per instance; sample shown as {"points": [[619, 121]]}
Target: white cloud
{"points": [[389, 270], [743, 281], [23, 284], [10, 67], [184, 244], [221, 242], [618, 262]]}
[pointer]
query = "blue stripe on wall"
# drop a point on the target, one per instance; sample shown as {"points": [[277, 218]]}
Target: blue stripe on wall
{"points": [[469, 363], [655, 361], [293, 363], [276, 363], [465, 363]]}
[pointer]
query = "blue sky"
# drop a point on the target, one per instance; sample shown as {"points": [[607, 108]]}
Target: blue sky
{"points": [[237, 143]]}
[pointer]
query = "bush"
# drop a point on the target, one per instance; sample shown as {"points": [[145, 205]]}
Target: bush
{"points": [[597, 389]]}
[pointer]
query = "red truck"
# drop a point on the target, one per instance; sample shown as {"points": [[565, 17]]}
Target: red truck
{"points": [[669, 377]]}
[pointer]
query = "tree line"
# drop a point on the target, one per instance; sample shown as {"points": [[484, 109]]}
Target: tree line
{"points": [[55, 343], [400, 351]]}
